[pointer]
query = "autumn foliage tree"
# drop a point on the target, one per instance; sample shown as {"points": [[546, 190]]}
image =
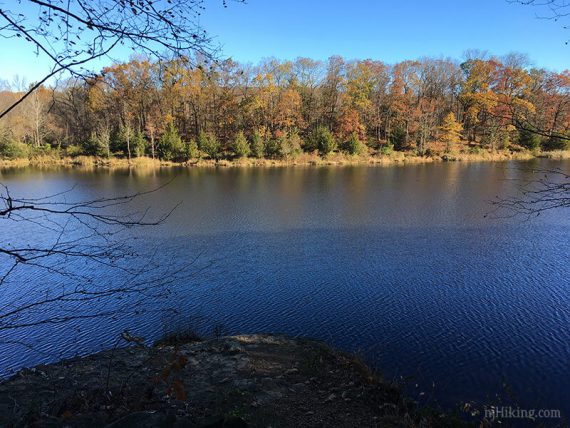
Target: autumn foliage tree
{"points": [[127, 108], [72, 34], [450, 130]]}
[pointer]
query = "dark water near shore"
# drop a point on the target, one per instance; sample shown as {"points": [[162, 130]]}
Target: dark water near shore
{"points": [[396, 263]]}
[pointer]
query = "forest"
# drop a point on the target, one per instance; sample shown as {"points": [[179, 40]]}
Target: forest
{"points": [[188, 108]]}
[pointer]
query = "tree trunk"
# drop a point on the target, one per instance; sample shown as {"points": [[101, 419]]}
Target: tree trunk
{"points": [[128, 131]]}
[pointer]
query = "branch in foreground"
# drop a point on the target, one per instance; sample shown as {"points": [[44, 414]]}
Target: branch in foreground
{"points": [[72, 33], [550, 191], [68, 244]]}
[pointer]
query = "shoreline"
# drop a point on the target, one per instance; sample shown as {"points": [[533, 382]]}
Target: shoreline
{"points": [[255, 380], [310, 160]]}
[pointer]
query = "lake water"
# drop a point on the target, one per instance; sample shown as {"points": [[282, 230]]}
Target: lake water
{"points": [[399, 264]]}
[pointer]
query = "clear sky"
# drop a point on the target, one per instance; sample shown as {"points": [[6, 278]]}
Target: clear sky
{"points": [[390, 31]]}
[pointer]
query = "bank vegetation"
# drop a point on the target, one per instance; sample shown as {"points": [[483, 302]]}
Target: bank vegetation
{"points": [[282, 112]]}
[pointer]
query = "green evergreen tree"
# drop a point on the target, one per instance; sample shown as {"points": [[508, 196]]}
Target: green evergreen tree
{"points": [[290, 145], [10, 149], [325, 141], [556, 142], [397, 139], [241, 146], [93, 146], [353, 145], [191, 150], [209, 144], [529, 139], [170, 145], [311, 142], [273, 148], [139, 144], [257, 145], [120, 140]]}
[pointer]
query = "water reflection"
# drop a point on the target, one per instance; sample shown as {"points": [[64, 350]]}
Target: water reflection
{"points": [[397, 262]]}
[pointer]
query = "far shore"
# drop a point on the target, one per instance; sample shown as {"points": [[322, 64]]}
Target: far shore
{"points": [[337, 159]]}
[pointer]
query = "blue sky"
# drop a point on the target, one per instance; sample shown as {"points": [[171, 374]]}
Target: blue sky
{"points": [[390, 31]]}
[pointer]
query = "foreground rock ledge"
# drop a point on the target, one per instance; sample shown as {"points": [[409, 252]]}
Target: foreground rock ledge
{"points": [[256, 380]]}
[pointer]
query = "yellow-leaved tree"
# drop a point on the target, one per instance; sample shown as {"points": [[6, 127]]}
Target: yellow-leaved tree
{"points": [[450, 130]]}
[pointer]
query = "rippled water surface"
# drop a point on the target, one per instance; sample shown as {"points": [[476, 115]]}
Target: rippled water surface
{"points": [[396, 263]]}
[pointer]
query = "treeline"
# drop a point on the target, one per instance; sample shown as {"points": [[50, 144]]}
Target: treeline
{"points": [[180, 111]]}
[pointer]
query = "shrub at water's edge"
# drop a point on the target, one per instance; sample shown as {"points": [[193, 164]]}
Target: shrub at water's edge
{"points": [[287, 149], [347, 144]]}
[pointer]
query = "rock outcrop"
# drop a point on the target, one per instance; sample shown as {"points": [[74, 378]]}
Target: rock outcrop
{"points": [[238, 381]]}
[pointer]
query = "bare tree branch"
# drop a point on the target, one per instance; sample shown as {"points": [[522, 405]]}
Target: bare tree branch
{"points": [[549, 191], [555, 10], [72, 33], [86, 233]]}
